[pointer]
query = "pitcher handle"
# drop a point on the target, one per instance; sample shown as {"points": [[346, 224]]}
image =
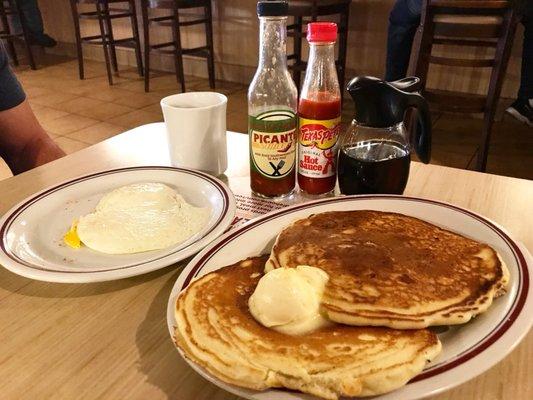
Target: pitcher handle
{"points": [[422, 138], [409, 84]]}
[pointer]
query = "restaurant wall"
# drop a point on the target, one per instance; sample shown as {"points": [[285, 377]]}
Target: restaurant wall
{"points": [[236, 44]]}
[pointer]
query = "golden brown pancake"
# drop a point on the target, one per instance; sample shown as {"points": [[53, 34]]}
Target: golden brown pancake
{"points": [[388, 269], [216, 330]]}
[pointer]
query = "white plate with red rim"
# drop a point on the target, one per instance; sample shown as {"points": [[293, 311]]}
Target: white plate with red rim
{"points": [[31, 233], [468, 350]]}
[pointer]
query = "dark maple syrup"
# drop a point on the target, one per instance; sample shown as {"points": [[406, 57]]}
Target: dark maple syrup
{"points": [[380, 167]]}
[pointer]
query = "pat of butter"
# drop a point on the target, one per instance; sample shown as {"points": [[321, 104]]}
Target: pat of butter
{"points": [[288, 300]]}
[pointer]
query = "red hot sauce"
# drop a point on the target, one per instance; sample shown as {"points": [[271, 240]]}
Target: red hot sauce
{"points": [[319, 113], [319, 131]]}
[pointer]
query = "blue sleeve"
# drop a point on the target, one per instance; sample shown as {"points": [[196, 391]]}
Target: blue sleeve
{"points": [[11, 92]]}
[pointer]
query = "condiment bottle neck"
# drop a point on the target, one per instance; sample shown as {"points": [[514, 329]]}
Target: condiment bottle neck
{"points": [[273, 42], [322, 53], [321, 74]]}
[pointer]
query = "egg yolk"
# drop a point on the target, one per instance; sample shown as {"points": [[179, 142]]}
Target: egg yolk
{"points": [[71, 238]]}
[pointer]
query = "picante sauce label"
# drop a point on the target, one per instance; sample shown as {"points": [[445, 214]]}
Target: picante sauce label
{"points": [[273, 143], [318, 147]]}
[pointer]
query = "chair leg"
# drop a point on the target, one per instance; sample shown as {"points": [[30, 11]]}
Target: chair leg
{"points": [[178, 55], [422, 53], [483, 151], [104, 42], [136, 37], [503, 52], [77, 34], [111, 40], [209, 41], [297, 40], [146, 33], [343, 44], [7, 30], [12, 52], [26, 36]]}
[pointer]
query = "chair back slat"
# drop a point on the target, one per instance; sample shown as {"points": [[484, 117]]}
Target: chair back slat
{"points": [[171, 4], [167, 4], [464, 42], [456, 102], [462, 62], [469, 7], [467, 29]]}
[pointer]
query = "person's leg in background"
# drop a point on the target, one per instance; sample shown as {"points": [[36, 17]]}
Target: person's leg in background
{"points": [[522, 108], [403, 23], [34, 22]]}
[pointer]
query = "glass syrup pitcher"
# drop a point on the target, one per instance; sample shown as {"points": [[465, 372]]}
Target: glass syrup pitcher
{"points": [[375, 152]]}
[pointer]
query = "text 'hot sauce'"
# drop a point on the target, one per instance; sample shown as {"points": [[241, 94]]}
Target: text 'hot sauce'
{"points": [[319, 112]]}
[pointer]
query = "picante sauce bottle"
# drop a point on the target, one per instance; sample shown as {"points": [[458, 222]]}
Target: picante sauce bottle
{"points": [[272, 103], [319, 112]]}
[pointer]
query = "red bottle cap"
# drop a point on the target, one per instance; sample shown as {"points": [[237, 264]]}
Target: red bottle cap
{"points": [[321, 32]]}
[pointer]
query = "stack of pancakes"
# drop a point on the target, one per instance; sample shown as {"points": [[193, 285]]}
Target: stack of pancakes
{"points": [[388, 269], [390, 277]]}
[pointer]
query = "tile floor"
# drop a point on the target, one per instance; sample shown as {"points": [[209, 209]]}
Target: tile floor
{"points": [[80, 113]]}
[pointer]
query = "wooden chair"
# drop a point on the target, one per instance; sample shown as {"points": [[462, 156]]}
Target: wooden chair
{"points": [[105, 16], [490, 24], [303, 11], [11, 8], [175, 22]]}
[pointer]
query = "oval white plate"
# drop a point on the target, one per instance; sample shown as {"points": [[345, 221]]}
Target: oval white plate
{"points": [[31, 232], [468, 350]]}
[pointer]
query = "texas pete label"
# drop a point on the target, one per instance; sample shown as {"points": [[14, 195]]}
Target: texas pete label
{"points": [[318, 147]]}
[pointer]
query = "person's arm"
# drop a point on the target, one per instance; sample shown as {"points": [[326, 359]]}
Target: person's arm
{"points": [[24, 144]]}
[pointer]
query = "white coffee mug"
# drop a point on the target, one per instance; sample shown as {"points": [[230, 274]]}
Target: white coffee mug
{"points": [[196, 130]]}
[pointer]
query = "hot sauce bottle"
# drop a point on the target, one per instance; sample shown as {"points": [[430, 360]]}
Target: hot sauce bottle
{"points": [[272, 104], [319, 113]]}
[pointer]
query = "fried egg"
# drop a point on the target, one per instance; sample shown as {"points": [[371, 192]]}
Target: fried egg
{"points": [[136, 218]]}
